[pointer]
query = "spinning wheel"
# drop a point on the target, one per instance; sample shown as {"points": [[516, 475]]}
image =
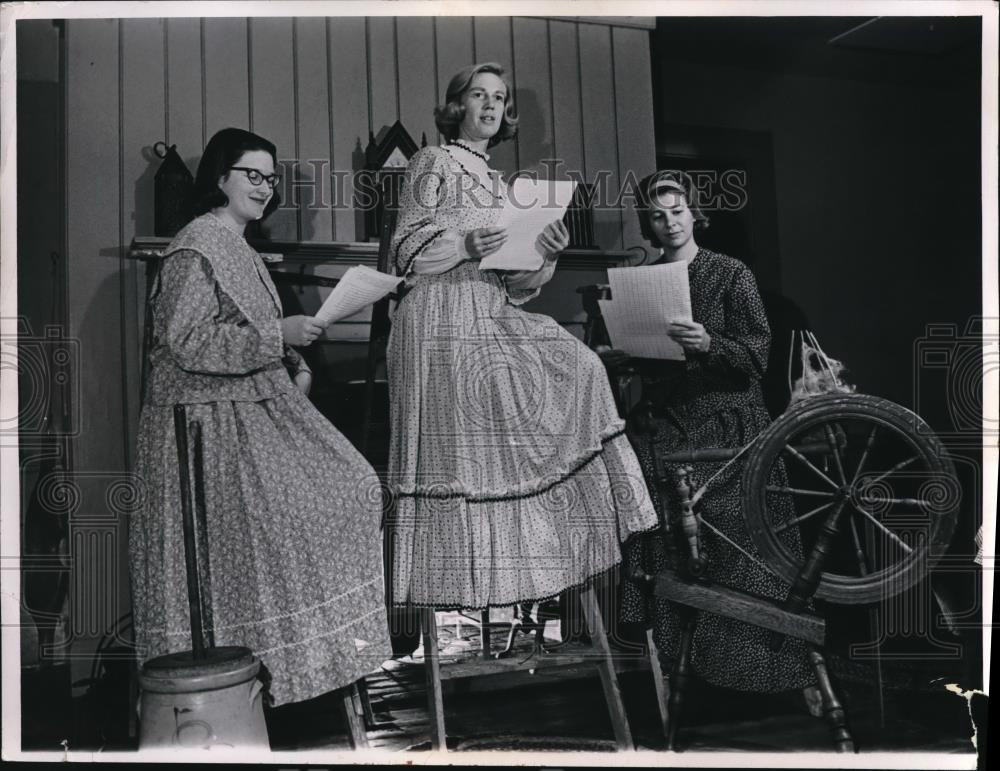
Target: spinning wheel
{"points": [[875, 498], [877, 494]]}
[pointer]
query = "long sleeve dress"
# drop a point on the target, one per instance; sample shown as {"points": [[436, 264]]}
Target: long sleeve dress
{"points": [[511, 474], [292, 565], [714, 399]]}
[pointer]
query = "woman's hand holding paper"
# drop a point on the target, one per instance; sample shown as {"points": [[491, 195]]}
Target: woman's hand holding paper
{"points": [[554, 238], [482, 242], [690, 335], [300, 330]]}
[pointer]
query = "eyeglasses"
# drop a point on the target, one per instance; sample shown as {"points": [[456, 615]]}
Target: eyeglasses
{"points": [[256, 177]]}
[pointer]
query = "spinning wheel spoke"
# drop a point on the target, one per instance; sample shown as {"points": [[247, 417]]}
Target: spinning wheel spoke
{"points": [[921, 503], [899, 466], [799, 491], [785, 525], [835, 451], [864, 455], [803, 459], [858, 551], [871, 518]]}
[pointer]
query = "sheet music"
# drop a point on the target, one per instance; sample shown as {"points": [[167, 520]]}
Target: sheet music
{"points": [[644, 301], [531, 205], [359, 287]]}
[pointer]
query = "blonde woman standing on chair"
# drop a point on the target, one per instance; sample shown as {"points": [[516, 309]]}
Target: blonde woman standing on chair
{"points": [[512, 476]]}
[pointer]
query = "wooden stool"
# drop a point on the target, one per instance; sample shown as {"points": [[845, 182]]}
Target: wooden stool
{"points": [[436, 671], [353, 706]]}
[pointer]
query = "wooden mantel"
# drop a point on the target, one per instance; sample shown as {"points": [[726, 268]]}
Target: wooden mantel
{"points": [[303, 253]]}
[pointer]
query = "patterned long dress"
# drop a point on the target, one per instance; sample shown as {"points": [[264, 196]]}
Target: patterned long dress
{"points": [[293, 568], [710, 400], [511, 473]]}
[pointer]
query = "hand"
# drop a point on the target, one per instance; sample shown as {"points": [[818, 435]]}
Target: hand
{"points": [[690, 335], [482, 242], [303, 381], [554, 238], [300, 330], [612, 357]]}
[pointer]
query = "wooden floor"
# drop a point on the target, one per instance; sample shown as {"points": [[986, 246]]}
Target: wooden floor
{"points": [[564, 709]]}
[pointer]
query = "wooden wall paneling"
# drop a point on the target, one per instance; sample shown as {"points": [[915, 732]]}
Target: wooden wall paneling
{"points": [[493, 36], [93, 227], [143, 123], [272, 104], [94, 259], [600, 130], [417, 78], [226, 68], [382, 73], [312, 99], [567, 119], [347, 51], [185, 119], [454, 49], [634, 107], [534, 94]]}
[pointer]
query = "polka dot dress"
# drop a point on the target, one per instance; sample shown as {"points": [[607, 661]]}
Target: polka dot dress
{"points": [[714, 399], [511, 474]]}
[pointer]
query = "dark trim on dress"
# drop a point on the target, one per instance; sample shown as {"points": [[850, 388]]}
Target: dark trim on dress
{"points": [[419, 249], [500, 498]]}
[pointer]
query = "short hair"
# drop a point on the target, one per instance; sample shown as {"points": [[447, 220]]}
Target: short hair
{"points": [[667, 179], [222, 152], [449, 116]]}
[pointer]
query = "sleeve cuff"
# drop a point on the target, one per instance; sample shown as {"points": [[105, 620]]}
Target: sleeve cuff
{"points": [[272, 341], [463, 253]]}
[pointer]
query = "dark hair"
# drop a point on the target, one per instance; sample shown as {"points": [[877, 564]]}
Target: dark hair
{"points": [[671, 180], [222, 152], [449, 116]]}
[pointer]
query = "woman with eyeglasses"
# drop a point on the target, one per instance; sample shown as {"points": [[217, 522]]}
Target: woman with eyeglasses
{"points": [[293, 568], [512, 476]]}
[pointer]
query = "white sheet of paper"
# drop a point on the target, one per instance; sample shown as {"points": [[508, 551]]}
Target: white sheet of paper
{"points": [[644, 301], [531, 205], [358, 288]]}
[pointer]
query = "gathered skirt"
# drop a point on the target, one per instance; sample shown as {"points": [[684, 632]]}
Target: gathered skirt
{"points": [[291, 555], [511, 476]]}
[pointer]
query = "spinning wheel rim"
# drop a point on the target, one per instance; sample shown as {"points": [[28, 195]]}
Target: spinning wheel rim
{"points": [[824, 411]]}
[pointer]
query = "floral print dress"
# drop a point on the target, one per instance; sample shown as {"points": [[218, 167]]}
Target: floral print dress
{"points": [[510, 470], [291, 556]]}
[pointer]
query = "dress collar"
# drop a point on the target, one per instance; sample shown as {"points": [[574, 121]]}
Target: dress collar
{"points": [[465, 148]]}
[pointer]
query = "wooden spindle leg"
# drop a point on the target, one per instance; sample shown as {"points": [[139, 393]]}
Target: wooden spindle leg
{"points": [[606, 667], [432, 669], [366, 703], [484, 633], [351, 705], [660, 685], [832, 708], [679, 679]]}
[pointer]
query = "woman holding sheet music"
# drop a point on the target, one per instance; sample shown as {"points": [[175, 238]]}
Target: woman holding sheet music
{"points": [[712, 399], [293, 568], [513, 479]]}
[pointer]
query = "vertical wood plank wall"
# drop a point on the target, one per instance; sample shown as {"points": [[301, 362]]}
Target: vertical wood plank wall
{"points": [[316, 87]]}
